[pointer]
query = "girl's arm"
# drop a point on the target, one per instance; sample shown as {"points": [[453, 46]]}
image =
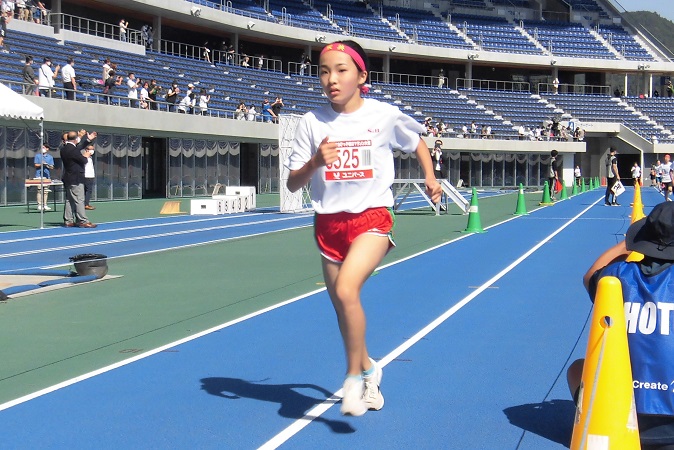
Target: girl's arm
{"points": [[433, 188], [616, 253], [327, 153]]}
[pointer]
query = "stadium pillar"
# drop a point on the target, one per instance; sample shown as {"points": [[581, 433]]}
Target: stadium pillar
{"points": [[469, 74], [57, 10], [156, 32], [387, 67]]}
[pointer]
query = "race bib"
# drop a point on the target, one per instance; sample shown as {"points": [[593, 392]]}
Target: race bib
{"points": [[354, 163]]}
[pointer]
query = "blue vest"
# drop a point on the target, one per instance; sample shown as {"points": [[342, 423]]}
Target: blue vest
{"points": [[649, 313]]}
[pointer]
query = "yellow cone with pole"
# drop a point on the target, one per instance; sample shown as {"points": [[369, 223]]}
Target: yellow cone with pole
{"points": [[637, 205], [521, 208], [605, 415], [474, 222]]}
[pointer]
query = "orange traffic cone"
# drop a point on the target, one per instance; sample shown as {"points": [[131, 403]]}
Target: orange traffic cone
{"points": [[605, 415]]}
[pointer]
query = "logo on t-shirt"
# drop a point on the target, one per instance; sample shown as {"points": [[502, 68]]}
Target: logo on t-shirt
{"points": [[354, 163]]}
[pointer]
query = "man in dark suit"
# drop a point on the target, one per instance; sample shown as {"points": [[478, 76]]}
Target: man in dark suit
{"points": [[74, 161]]}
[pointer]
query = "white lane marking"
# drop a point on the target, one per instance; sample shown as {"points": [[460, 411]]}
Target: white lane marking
{"points": [[320, 409], [148, 236], [333, 399]]}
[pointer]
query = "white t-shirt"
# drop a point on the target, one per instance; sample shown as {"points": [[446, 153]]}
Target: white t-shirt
{"points": [[68, 73], [665, 169], [46, 76], [133, 93], [366, 138], [636, 171]]}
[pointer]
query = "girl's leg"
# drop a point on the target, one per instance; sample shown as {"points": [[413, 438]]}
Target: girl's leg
{"points": [[344, 282]]}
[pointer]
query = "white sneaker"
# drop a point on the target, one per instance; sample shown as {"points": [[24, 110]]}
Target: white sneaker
{"points": [[372, 394], [352, 397], [39, 208], [46, 208]]}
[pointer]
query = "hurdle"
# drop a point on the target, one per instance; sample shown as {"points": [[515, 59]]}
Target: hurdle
{"points": [[407, 187]]}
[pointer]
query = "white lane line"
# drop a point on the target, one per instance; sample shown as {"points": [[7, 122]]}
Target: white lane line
{"points": [[144, 355], [320, 409], [126, 228], [148, 236], [116, 365]]}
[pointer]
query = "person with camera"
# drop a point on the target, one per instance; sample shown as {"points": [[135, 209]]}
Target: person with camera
{"points": [[110, 83], [155, 89], [74, 161], [172, 96]]}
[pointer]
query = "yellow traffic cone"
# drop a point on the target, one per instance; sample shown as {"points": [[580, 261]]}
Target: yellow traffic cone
{"points": [[637, 205], [605, 415]]}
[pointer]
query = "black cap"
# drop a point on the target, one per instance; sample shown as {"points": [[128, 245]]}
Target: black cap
{"points": [[654, 235]]}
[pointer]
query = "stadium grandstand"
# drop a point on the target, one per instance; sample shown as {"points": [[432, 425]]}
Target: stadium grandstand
{"points": [[500, 82]]}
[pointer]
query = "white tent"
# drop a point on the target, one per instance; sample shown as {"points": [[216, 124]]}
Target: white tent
{"points": [[16, 106]]}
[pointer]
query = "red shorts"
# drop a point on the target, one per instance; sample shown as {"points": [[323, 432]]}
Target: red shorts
{"points": [[335, 232]]}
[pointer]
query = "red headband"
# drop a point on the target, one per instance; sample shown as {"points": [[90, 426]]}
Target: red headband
{"points": [[341, 47]]}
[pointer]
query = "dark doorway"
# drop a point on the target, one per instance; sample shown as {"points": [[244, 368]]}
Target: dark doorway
{"points": [[154, 167], [249, 164]]}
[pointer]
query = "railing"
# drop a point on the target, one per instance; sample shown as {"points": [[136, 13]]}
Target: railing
{"points": [[403, 78], [583, 89], [94, 28], [493, 85], [123, 101], [296, 69], [227, 7], [219, 56]]}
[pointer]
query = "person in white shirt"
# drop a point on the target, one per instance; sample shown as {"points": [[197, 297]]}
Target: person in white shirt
{"points": [[89, 178], [144, 96], [666, 173], [345, 149], [132, 84], [187, 103], [204, 98], [576, 174], [69, 81], [252, 113], [636, 173], [123, 25], [106, 69], [46, 77]]}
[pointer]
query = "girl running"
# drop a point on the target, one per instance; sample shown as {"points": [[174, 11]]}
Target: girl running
{"points": [[345, 149]]}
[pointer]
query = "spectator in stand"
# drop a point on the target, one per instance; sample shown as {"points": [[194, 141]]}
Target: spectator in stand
{"points": [[669, 88], [39, 12], [144, 35], [204, 98], [69, 81], [260, 62], [111, 83], [150, 38], [241, 111], [172, 96], [47, 77], [555, 86], [473, 130], [29, 78], [229, 59], [305, 63], [123, 26], [20, 7], [441, 79], [89, 178], [656, 93], [464, 132], [245, 61], [521, 133], [106, 69], [5, 17], [145, 95], [616, 93], [206, 53], [483, 132], [186, 105], [276, 108], [267, 113], [252, 113], [132, 84], [155, 89], [190, 93]]}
